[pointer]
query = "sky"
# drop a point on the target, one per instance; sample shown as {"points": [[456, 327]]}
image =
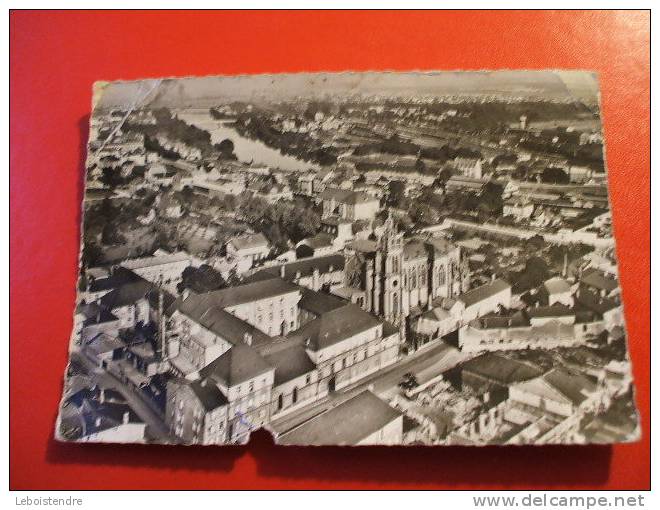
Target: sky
{"points": [[209, 90]]}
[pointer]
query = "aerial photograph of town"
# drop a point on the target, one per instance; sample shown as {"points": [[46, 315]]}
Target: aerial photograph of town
{"points": [[348, 259]]}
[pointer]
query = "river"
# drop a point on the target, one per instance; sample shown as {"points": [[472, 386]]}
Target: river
{"points": [[246, 150]]}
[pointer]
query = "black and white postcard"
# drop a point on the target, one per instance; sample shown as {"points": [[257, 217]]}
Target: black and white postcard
{"points": [[349, 259]]}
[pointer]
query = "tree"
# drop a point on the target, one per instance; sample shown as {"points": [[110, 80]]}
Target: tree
{"points": [[226, 148], [111, 177], [491, 198], [520, 173], [201, 279], [554, 175], [534, 274], [111, 235], [445, 174], [395, 193]]}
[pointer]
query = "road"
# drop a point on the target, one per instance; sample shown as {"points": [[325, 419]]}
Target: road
{"points": [[425, 364], [155, 426]]}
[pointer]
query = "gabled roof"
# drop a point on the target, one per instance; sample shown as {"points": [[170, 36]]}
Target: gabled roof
{"points": [[240, 294], [575, 387], [500, 369], [250, 241], [347, 196], [156, 260], [318, 241], [203, 310], [335, 194], [305, 267], [439, 246], [119, 276], [319, 303], [126, 294], [597, 279], [104, 343], [94, 314], [556, 285], [474, 296], [290, 359], [208, 394], [335, 326], [556, 310], [239, 364], [592, 301], [347, 423]]}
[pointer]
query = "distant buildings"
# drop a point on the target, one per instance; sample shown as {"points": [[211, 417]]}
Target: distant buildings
{"points": [[470, 167], [248, 249], [349, 205], [162, 268]]}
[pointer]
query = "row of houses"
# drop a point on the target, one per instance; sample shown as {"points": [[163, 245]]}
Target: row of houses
{"points": [[526, 404]]}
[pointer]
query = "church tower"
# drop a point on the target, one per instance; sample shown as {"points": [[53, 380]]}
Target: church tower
{"points": [[390, 247]]}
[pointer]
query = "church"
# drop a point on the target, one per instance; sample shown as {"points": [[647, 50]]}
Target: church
{"points": [[395, 278]]}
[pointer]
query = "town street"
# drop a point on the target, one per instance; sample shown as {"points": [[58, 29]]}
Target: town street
{"points": [[156, 428]]}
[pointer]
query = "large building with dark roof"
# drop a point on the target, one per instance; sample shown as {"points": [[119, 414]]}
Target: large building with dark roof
{"points": [[225, 338]]}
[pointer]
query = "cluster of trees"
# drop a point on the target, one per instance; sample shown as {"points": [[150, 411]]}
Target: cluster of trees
{"points": [[428, 208], [394, 145], [201, 279], [283, 223], [534, 274]]}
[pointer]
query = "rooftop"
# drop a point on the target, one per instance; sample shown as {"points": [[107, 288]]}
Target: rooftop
{"points": [[556, 310], [477, 295], [249, 241], [347, 423], [319, 303], [126, 294], [239, 364], [576, 387], [241, 294], [289, 358], [597, 279], [208, 394], [556, 285], [202, 309], [156, 260], [336, 325], [501, 369], [306, 267]]}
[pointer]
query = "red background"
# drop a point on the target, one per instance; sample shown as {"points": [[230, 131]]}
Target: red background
{"points": [[55, 58]]}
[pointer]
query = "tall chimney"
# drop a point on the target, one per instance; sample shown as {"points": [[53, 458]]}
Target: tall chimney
{"points": [[282, 271]]}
